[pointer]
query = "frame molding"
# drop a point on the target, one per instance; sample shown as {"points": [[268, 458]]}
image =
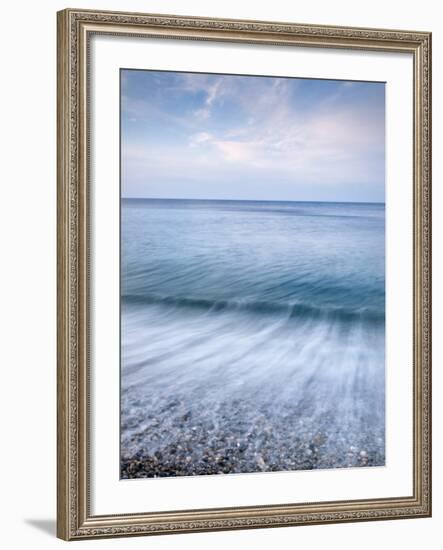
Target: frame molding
{"points": [[74, 520]]}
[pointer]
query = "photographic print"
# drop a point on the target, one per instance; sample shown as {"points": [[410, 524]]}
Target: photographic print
{"points": [[252, 274], [243, 274]]}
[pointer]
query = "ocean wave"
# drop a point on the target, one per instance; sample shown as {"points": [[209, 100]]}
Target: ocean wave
{"points": [[291, 310]]}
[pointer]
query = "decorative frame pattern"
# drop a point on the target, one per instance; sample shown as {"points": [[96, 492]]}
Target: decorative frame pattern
{"points": [[75, 28]]}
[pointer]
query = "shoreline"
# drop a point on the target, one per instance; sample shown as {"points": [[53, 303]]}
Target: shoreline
{"points": [[189, 443], [179, 463]]}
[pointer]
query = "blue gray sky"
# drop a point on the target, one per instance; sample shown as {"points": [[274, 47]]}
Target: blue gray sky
{"points": [[203, 136]]}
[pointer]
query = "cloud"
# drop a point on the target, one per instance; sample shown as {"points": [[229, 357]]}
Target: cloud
{"points": [[237, 151], [213, 92], [200, 137], [203, 114], [209, 128]]}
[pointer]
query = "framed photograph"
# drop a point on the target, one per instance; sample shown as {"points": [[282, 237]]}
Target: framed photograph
{"points": [[243, 274]]}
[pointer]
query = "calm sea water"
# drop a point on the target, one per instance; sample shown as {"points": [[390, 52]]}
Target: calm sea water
{"points": [[252, 336]]}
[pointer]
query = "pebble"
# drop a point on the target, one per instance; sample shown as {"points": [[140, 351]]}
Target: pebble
{"points": [[186, 443]]}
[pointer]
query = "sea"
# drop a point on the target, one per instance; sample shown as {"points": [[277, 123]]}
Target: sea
{"points": [[252, 336]]}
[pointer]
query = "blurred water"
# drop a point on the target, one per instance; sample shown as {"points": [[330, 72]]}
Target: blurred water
{"points": [[252, 336]]}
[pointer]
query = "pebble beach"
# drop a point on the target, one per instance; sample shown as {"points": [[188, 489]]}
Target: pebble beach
{"points": [[249, 442]]}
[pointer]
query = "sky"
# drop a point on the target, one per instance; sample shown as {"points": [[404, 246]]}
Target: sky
{"points": [[207, 136]]}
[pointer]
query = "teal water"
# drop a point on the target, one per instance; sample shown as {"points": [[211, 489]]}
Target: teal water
{"points": [[245, 318]]}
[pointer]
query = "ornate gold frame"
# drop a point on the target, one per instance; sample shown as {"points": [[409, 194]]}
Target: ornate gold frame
{"points": [[74, 520]]}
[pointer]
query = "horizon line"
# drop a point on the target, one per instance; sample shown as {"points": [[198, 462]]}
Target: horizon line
{"points": [[246, 200]]}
